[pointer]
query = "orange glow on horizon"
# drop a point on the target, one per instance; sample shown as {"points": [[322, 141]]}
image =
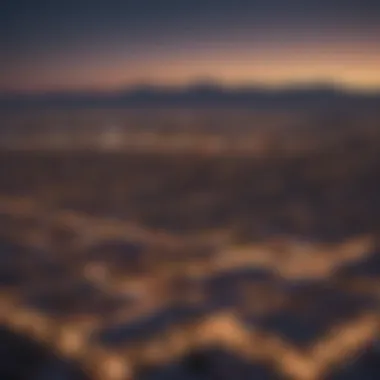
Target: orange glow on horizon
{"points": [[354, 66]]}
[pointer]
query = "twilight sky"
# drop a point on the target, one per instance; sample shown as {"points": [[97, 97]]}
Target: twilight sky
{"points": [[48, 45]]}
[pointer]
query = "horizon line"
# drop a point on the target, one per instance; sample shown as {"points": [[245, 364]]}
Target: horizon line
{"points": [[311, 85]]}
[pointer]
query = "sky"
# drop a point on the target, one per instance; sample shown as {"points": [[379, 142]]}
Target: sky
{"points": [[106, 45]]}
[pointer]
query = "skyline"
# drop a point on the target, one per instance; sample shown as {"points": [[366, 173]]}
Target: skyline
{"points": [[53, 45]]}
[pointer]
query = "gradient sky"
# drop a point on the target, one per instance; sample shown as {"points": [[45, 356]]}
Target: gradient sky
{"points": [[109, 44]]}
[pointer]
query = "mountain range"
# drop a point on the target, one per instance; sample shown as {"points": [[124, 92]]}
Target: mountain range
{"points": [[199, 94]]}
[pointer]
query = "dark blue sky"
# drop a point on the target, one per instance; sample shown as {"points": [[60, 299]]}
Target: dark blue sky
{"points": [[98, 44]]}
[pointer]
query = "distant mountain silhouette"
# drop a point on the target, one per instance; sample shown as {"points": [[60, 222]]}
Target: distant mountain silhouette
{"points": [[198, 94]]}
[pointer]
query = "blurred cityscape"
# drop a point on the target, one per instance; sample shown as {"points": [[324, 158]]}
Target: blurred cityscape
{"points": [[189, 244]]}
